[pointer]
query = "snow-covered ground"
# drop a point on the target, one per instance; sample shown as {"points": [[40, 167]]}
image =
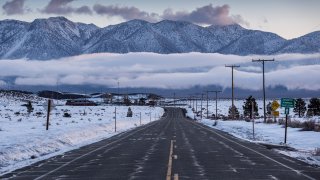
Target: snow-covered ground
{"points": [[24, 139], [306, 143]]}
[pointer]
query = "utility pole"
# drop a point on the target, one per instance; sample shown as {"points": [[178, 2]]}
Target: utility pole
{"points": [[264, 90], [174, 99], [232, 67], [196, 104], [201, 104], [192, 104], [207, 105], [217, 102]]}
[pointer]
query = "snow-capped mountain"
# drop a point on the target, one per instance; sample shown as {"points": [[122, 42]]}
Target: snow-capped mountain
{"points": [[58, 37], [43, 38], [309, 43]]}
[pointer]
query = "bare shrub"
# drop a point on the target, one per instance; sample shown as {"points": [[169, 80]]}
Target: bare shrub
{"points": [[269, 121], [308, 125], [295, 124], [281, 121], [68, 115], [316, 152]]}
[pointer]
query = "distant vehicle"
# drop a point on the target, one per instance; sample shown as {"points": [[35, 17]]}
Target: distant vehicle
{"points": [[80, 102]]}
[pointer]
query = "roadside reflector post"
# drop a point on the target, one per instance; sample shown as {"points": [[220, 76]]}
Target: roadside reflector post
{"points": [[115, 119], [140, 118]]}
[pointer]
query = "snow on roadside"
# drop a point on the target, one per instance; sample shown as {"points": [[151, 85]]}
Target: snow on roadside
{"points": [[305, 142], [24, 139]]}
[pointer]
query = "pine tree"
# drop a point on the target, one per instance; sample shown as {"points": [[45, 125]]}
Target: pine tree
{"points": [[269, 109], [300, 107], [247, 107], [233, 112], [314, 107]]}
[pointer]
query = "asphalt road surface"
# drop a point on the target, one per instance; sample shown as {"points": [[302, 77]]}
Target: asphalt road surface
{"points": [[172, 148]]}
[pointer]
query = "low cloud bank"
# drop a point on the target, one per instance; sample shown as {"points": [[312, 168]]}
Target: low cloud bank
{"points": [[294, 71]]}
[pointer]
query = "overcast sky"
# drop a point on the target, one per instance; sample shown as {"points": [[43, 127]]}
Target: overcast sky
{"points": [[287, 18]]}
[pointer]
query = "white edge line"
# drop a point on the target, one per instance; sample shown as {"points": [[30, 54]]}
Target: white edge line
{"points": [[267, 157], [132, 133]]}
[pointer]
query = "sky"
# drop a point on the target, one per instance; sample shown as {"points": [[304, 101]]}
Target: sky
{"points": [[287, 18]]}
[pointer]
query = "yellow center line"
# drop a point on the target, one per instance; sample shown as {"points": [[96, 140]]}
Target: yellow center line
{"points": [[169, 171], [176, 177]]}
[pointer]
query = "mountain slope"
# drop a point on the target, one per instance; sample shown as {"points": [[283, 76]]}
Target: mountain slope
{"points": [[309, 43], [46, 39], [58, 37]]}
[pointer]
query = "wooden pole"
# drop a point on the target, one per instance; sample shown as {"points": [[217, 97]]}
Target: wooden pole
{"points": [[48, 113], [263, 84]]}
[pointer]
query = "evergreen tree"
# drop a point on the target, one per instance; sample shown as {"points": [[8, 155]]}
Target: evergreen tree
{"points": [[247, 107], [299, 107], [126, 101], [233, 112], [314, 107], [269, 109]]}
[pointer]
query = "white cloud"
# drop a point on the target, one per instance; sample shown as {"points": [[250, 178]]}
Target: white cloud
{"points": [[165, 71]]}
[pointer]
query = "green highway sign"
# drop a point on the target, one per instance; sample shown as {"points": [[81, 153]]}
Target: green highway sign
{"points": [[287, 102]]}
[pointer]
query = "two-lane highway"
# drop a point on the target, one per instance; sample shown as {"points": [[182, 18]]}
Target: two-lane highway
{"points": [[172, 148]]}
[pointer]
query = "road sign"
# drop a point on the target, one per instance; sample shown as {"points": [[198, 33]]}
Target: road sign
{"points": [[275, 113], [287, 102], [275, 105]]}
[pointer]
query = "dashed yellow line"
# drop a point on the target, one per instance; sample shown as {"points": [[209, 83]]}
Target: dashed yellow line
{"points": [[169, 171], [176, 177]]}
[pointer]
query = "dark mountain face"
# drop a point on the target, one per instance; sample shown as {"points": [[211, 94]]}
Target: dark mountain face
{"points": [[58, 37]]}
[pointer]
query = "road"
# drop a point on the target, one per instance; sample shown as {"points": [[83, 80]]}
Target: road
{"points": [[172, 148]]}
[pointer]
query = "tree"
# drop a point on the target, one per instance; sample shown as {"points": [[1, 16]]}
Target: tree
{"points": [[142, 101], [299, 107], [126, 101], [247, 107], [314, 107], [233, 112], [269, 109]]}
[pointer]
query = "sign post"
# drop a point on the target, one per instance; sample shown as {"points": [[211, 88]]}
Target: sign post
{"points": [[287, 103], [48, 113], [49, 106]]}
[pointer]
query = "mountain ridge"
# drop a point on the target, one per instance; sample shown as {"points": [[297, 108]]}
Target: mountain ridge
{"points": [[58, 37]]}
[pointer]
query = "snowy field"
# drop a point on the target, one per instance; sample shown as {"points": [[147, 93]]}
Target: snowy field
{"points": [[305, 143], [24, 139]]}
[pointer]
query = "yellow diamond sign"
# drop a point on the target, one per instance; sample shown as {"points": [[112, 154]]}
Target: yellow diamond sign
{"points": [[275, 113], [275, 105]]}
